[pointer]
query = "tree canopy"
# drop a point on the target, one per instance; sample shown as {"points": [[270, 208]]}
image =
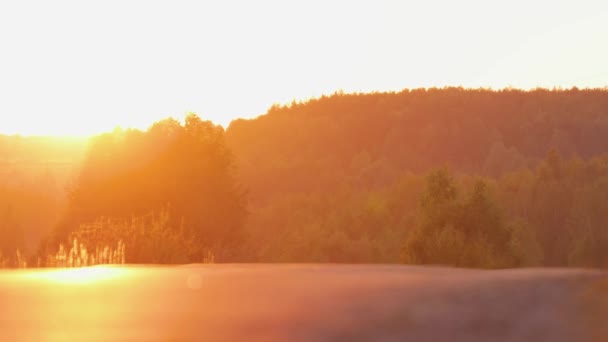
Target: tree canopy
{"points": [[466, 177], [185, 170]]}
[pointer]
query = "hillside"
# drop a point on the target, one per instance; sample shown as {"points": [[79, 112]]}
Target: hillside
{"points": [[339, 178], [370, 139], [464, 177]]}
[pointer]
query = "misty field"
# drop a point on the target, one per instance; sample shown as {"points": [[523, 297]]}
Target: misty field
{"points": [[307, 302]]}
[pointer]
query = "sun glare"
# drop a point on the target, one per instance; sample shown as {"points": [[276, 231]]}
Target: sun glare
{"points": [[197, 57], [65, 126], [84, 275]]}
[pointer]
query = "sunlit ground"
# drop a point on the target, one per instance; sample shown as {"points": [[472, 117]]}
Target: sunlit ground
{"points": [[84, 275], [297, 303]]}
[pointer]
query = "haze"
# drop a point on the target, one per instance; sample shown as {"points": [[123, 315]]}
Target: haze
{"points": [[75, 68]]}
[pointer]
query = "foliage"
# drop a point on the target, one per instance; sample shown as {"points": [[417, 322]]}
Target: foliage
{"points": [[341, 178], [562, 205], [469, 233], [146, 239], [524, 244], [316, 163], [80, 254], [370, 140], [184, 169], [16, 260]]}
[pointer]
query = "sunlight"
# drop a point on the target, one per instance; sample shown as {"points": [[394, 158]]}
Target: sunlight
{"points": [[63, 125], [186, 64], [84, 275]]}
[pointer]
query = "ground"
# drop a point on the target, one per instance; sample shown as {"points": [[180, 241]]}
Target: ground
{"points": [[303, 303]]}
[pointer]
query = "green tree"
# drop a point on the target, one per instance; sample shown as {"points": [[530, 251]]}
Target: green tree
{"points": [[467, 234]]}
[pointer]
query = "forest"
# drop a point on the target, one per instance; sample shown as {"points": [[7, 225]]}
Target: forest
{"points": [[464, 177]]}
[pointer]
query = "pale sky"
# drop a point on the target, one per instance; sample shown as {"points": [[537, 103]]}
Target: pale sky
{"points": [[82, 67]]}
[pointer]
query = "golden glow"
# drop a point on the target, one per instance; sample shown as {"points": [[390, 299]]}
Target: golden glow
{"points": [[84, 275], [229, 59]]}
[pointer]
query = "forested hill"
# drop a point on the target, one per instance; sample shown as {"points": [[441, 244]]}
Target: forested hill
{"points": [[360, 178], [370, 139], [470, 178]]}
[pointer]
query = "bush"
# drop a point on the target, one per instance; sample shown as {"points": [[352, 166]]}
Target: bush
{"points": [[145, 239], [470, 233]]}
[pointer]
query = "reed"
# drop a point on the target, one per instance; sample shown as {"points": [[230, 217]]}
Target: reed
{"points": [[150, 238], [80, 254], [17, 260]]}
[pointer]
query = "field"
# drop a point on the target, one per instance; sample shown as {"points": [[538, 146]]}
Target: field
{"points": [[306, 302]]}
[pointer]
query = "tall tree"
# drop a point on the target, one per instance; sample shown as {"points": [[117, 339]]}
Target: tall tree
{"points": [[184, 169], [469, 233]]}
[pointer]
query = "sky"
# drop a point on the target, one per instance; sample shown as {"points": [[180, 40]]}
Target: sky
{"points": [[84, 67]]}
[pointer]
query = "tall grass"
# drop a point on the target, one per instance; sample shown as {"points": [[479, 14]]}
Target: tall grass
{"points": [[81, 255], [150, 239], [17, 260]]}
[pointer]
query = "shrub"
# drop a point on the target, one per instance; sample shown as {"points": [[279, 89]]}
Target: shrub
{"points": [[145, 239]]}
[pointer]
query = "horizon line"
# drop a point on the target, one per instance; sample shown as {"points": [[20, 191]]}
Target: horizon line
{"points": [[338, 92]]}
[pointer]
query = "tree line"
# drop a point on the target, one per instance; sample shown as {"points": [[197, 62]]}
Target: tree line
{"points": [[463, 177]]}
